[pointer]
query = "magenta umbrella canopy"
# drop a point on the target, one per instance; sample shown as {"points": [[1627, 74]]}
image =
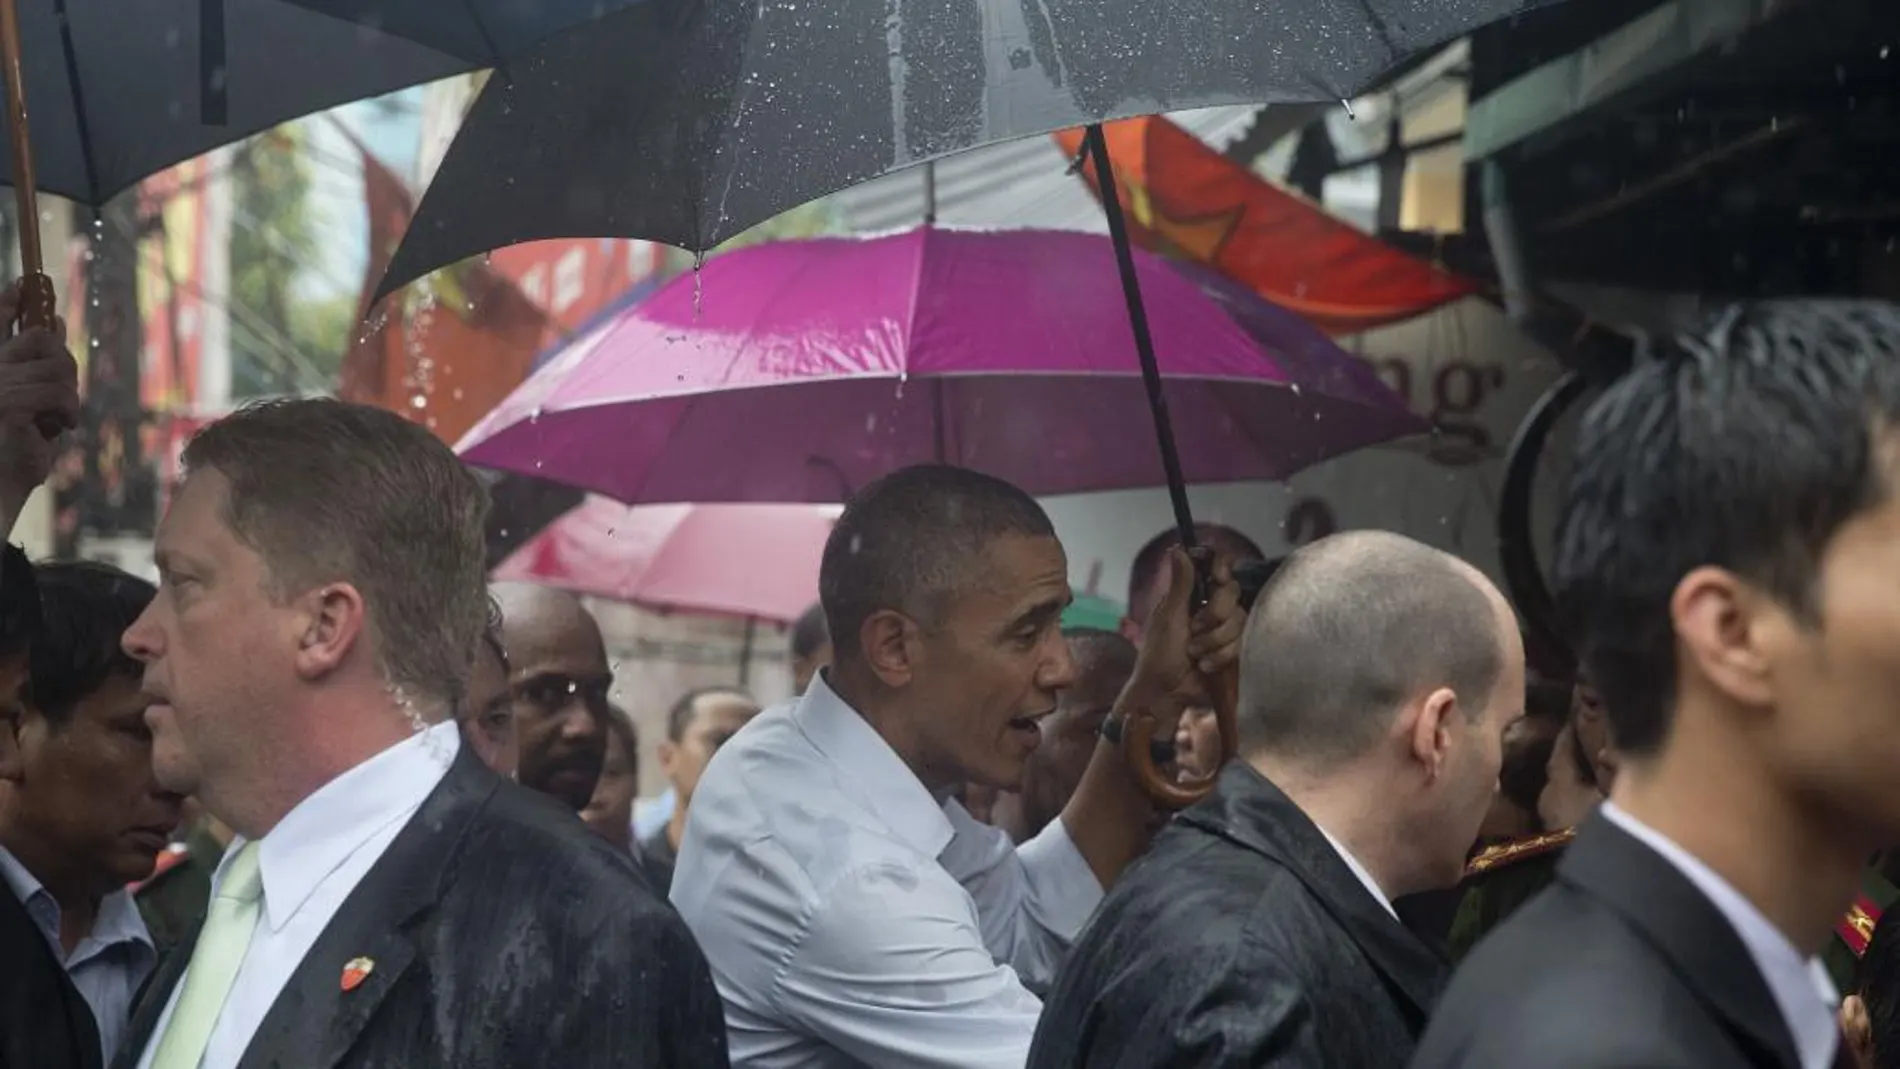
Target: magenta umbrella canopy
{"points": [[800, 371], [728, 560]]}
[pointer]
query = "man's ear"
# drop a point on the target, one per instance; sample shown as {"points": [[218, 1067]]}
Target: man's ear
{"points": [[889, 643], [12, 767], [1430, 734], [1723, 625], [333, 620]]}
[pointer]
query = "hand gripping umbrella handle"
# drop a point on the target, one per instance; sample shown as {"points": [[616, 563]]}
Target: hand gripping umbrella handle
{"points": [[1138, 733], [39, 306]]}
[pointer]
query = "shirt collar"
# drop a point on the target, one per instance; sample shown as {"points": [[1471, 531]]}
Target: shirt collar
{"points": [[117, 921], [324, 829], [868, 765], [1359, 871], [1801, 987]]}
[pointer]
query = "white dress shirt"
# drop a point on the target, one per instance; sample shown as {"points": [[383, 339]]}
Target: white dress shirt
{"points": [[852, 920], [108, 965], [1359, 872], [310, 862], [1801, 987]]}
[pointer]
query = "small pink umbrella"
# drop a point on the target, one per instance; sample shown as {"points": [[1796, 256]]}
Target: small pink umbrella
{"points": [[799, 371], [754, 561]]}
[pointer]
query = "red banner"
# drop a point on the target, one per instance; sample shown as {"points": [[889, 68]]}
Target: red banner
{"points": [[1184, 199]]}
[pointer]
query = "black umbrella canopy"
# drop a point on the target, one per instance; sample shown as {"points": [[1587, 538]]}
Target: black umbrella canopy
{"points": [[688, 121], [121, 89]]}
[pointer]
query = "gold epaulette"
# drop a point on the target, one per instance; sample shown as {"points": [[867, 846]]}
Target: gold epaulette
{"points": [[1510, 853]]}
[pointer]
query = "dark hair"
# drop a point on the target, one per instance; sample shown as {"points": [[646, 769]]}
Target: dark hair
{"points": [[910, 542], [1526, 767], [680, 717], [19, 601], [85, 610], [1877, 980], [1746, 446], [809, 633], [1150, 557], [622, 725], [1350, 628], [325, 491]]}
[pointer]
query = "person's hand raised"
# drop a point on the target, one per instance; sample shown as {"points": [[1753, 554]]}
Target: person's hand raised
{"points": [[1183, 648], [39, 390]]}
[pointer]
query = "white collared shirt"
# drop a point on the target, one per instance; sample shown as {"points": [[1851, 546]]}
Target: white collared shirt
{"points": [[310, 862], [108, 965], [852, 920], [1801, 988], [1359, 871]]}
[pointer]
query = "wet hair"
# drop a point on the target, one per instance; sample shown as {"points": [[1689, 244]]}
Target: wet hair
{"points": [[912, 541], [1096, 647], [680, 716], [1150, 558], [85, 610], [1352, 626], [1745, 445], [19, 601], [1877, 981], [327, 491], [809, 633]]}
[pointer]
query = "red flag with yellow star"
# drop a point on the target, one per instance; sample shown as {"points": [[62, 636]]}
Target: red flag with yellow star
{"points": [[1185, 200]]}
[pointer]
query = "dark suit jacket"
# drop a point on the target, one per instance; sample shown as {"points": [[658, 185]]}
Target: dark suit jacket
{"points": [[44, 1021], [1619, 963], [504, 934], [1241, 939]]}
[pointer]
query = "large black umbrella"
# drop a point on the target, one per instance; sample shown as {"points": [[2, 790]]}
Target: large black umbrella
{"points": [[688, 121]]}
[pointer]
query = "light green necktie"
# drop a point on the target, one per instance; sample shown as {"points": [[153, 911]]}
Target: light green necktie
{"points": [[214, 963]]}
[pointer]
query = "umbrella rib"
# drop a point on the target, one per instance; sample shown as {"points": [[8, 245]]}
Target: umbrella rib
{"points": [[79, 105]]}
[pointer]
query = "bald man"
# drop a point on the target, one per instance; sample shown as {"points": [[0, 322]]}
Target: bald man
{"points": [[559, 678], [1377, 677]]}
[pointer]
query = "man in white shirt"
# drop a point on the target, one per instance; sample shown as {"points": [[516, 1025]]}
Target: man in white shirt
{"points": [[81, 817], [389, 900], [852, 915], [1729, 560]]}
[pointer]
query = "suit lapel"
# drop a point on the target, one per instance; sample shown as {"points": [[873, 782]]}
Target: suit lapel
{"points": [[156, 992], [315, 1020], [1248, 810], [1698, 942]]}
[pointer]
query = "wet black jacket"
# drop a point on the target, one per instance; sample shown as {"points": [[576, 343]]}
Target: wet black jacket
{"points": [[504, 935], [44, 1021], [1621, 962], [1241, 939]]}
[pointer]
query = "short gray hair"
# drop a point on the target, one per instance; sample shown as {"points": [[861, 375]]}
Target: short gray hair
{"points": [[1349, 629]]}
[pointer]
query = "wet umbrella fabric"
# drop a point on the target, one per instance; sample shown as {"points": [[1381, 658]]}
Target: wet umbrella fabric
{"points": [[688, 121], [799, 371], [485, 32], [121, 89]]}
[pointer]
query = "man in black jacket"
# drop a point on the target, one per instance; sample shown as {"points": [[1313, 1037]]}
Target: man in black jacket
{"points": [[1377, 678], [388, 900], [1729, 560]]}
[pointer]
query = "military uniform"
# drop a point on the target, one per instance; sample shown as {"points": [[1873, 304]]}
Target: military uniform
{"points": [[1856, 927], [1500, 879], [175, 895]]}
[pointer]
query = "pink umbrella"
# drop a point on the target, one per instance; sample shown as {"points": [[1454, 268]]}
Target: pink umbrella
{"points": [[756, 561], [800, 370]]}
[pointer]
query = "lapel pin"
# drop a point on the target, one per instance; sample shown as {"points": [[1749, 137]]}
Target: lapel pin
{"points": [[356, 972]]}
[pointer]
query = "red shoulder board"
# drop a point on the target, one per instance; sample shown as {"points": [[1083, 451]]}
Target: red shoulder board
{"points": [[1856, 926], [1513, 852], [168, 859]]}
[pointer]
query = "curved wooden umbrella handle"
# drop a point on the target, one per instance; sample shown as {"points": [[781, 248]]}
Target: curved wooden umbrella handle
{"points": [[1137, 740]]}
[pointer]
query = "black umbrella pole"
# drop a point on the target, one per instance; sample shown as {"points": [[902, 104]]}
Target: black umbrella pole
{"points": [[1144, 341]]}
